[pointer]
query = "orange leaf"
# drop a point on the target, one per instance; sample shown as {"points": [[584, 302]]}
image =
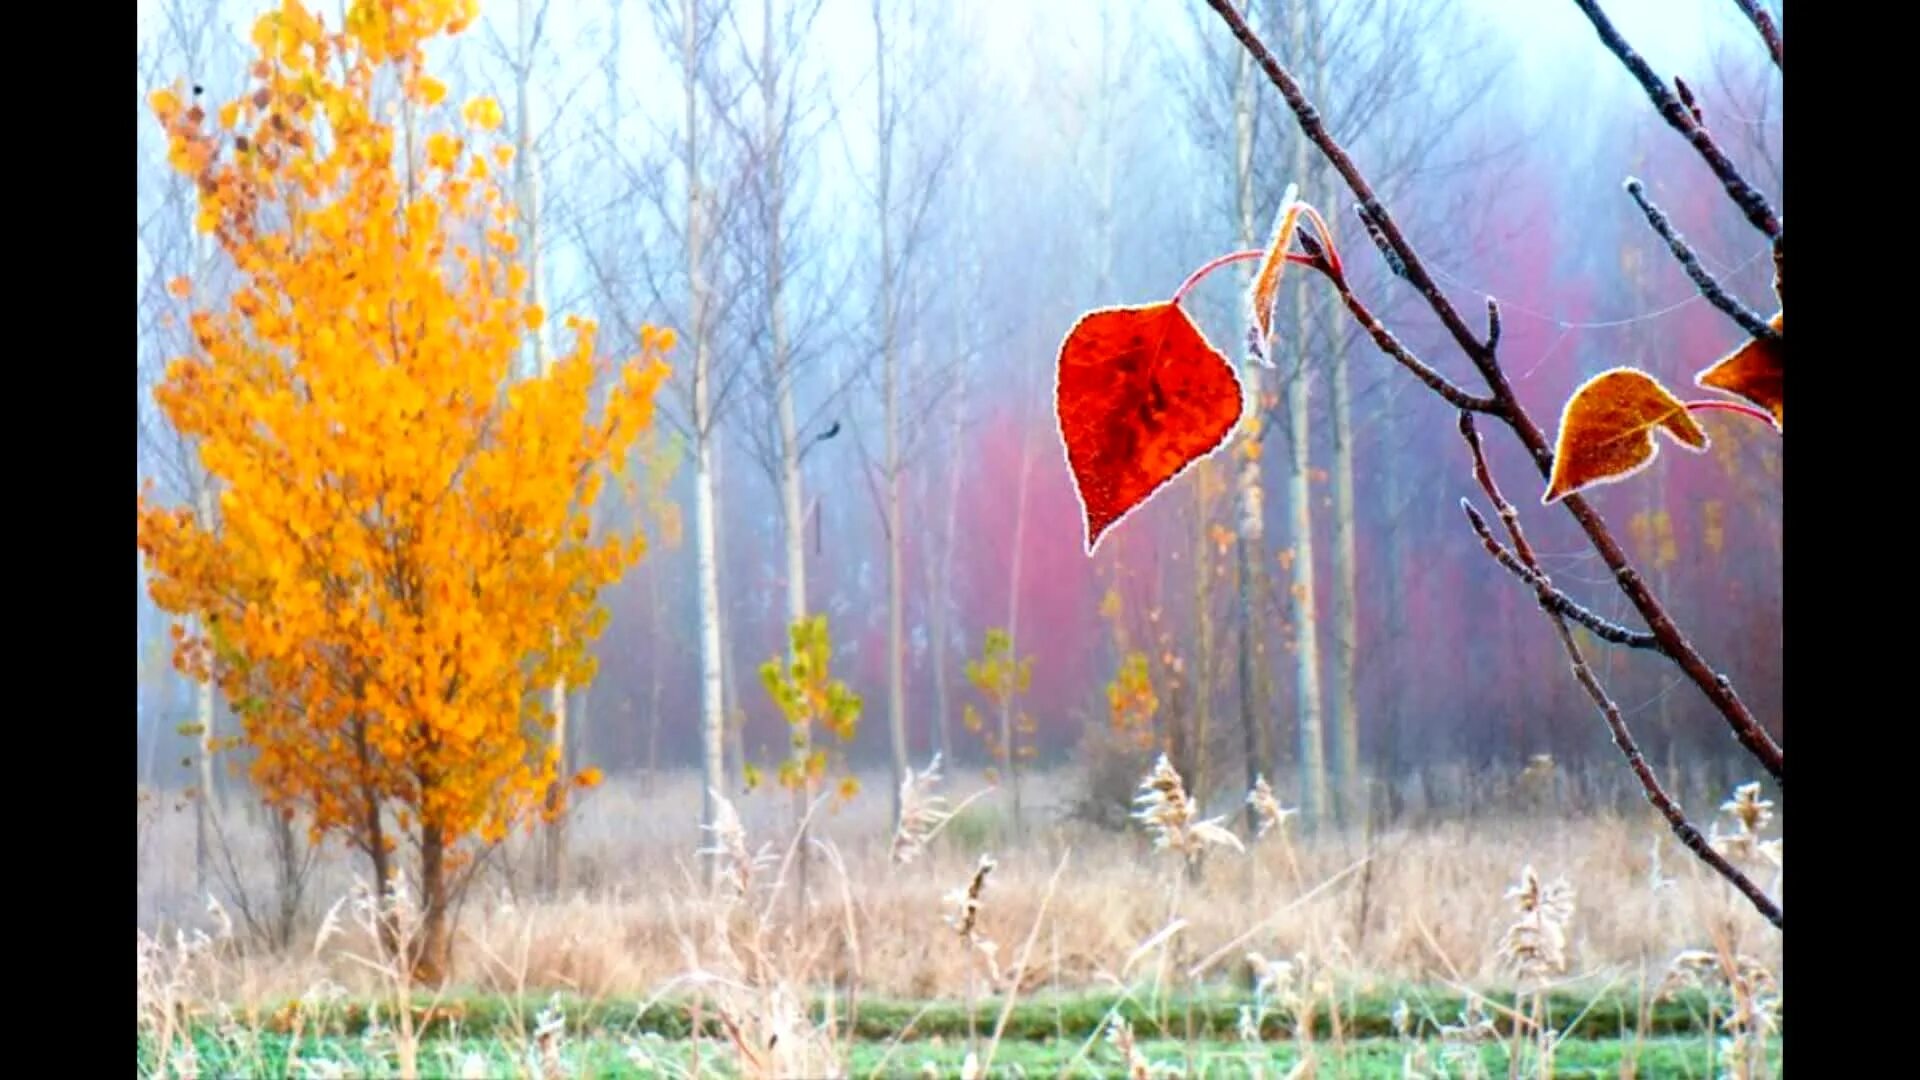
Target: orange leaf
{"points": [[1756, 371], [1606, 430], [1140, 396], [180, 288], [1266, 283]]}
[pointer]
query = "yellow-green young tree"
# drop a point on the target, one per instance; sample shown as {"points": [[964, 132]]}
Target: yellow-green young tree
{"points": [[399, 568]]}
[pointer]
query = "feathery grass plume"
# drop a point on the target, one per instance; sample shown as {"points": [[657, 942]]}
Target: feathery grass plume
{"points": [[1273, 979], [1751, 815], [922, 812], [1170, 815], [966, 903], [1536, 942], [549, 1035], [1267, 809], [1657, 878], [729, 845], [1748, 808], [1120, 1035], [1752, 1011]]}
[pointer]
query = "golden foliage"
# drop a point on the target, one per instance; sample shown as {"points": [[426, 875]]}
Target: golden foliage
{"points": [[1607, 430], [399, 561], [1756, 371], [807, 694]]}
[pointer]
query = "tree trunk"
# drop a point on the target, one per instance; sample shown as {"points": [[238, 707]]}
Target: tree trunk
{"points": [[657, 675], [1009, 758], [890, 390], [1394, 615], [1313, 768], [553, 846], [1191, 744], [433, 953], [1346, 625], [705, 526], [792, 506], [1249, 538], [1350, 799], [207, 807], [940, 583]]}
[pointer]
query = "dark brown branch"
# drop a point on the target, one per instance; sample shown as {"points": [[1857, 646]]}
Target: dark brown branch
{"points": [[1391, 345], [1552, 599], [1711, 684], [1769, 33], [1688, 833], [1744, 195], [1710, 288]]}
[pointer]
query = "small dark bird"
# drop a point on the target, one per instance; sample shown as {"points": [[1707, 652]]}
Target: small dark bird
{"points": [[832, 430], [198, 90]]}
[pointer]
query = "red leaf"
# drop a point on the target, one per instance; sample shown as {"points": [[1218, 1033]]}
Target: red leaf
{"points": [[1140, 396]]}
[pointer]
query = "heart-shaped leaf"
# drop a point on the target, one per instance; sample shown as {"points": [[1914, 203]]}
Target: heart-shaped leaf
{"points": [[1756, 371], [1606, 430], [1140, 395]]}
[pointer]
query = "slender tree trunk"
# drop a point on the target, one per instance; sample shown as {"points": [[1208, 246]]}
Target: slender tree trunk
{"points": [[1346, 625], [553, 848], [1394, 615], [1313, 768], [1249, 542], [434, 951], [940, 590], [1010, 760], [206, 808], [890, 390], [792, 505], [1191, 760], [657, 674], [705, 524], [731, 707]]}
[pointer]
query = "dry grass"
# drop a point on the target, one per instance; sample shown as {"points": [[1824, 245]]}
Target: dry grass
{"points": [[1416, 902]]}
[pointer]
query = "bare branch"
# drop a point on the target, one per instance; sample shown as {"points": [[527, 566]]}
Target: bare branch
{"points": [[1744, 195], [1714, 686], [1688, 833], [1715, 293], [1769, 33]]}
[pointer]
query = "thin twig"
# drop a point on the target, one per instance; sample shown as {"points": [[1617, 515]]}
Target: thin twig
{"points": [[1715, 293], [1744, 195], [1551, 598], [1688, 833], [1391, 345], [1769, 32], [1714, 686]]}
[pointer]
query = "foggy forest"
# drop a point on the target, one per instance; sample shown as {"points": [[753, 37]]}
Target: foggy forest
{"points": [[818, 734]]}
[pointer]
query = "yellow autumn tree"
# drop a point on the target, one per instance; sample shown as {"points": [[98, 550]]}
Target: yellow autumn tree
{"points": [[399, 562]]}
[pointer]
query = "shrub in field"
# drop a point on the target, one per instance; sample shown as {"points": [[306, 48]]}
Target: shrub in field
{"points": [[400, 556]]}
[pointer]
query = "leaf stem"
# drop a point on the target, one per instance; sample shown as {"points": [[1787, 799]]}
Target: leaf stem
{"points": [[1731, 406], [1194, 278]]}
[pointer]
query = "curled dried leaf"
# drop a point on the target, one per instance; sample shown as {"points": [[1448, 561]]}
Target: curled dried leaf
{"points": [[1266, 282]]}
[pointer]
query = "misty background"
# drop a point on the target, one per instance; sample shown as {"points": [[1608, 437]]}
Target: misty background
{"points": [[1041, 160]]}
